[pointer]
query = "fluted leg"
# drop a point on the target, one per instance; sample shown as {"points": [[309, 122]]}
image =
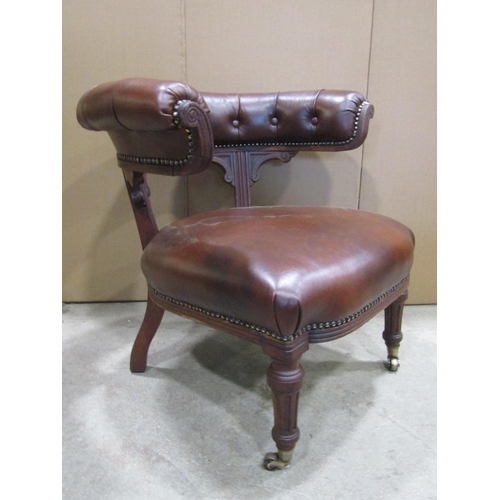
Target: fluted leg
{"points": [[285, 381], [392, 332], [150, 324]]}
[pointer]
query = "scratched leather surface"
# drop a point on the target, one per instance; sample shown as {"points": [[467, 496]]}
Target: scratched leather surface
{"points": [[280, 267]]}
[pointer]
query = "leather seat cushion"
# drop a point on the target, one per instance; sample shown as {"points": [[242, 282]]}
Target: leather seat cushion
{"points": [[280, 268]]}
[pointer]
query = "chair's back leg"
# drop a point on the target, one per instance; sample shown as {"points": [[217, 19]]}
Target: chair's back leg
{"points": [[139, 192], [392, 332], [150, 324]]}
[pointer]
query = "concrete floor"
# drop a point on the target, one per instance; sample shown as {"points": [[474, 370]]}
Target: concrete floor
{"points": [[197, 423]]}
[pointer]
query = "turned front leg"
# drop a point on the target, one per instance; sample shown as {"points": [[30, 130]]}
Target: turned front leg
{"points": [[284, 377], [285, 381], [392, 332]]}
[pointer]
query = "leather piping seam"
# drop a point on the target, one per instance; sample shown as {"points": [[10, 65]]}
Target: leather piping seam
{"points": [[165, 162], [307, 328], [295, 144]]}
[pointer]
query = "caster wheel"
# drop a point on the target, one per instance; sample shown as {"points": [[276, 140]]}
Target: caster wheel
{"points": [[392, 364], [272, 462]]}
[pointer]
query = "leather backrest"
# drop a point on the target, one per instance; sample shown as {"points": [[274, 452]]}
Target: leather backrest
{"points": [[169, 128], [284, 118]]}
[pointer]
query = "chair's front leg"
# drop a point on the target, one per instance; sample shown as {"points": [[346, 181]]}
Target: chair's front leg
{"points": [[392, 332], [285, 382], [284, 377]]}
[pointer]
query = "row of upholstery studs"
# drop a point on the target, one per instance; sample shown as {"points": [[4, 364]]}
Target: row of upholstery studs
{"points": [[175, 115], [314, 326], [348, 319], [164, 161], [184, 161]]}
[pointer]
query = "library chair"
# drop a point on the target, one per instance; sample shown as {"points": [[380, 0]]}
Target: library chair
{"points": [[282, 277]]}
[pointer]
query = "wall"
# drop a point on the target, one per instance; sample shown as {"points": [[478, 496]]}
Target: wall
{"points": [[106, 40], [399, 161], [382, 48]]}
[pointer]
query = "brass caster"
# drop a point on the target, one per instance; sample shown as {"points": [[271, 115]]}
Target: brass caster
{"points": [[273, 461], [392, 363]]}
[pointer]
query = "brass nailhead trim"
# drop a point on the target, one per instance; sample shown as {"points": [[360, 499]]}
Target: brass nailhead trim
{"points": [[164, 162], [348, 319], [320, 143], [184, 161], [313, 326]]}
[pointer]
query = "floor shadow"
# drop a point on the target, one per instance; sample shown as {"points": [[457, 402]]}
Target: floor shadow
{"points": [[204, 404], [224, 371]]}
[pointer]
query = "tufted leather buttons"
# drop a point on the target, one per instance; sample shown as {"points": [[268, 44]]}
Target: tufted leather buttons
{"points": [[236, 123], [274, 121], [314, 120]]}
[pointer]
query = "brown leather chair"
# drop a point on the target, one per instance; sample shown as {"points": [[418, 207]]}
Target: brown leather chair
{"points": [[282, 277]]}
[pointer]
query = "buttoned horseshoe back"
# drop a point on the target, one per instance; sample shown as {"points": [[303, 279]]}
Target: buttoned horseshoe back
{"points": [[317, 118], [165, 127]]}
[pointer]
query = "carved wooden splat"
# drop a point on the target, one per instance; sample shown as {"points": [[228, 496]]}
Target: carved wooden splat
{"points": [[242, 169]]}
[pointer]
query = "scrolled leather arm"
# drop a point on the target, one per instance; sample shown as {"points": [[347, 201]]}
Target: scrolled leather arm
{"points": [[156, 126], [135, 104]]}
